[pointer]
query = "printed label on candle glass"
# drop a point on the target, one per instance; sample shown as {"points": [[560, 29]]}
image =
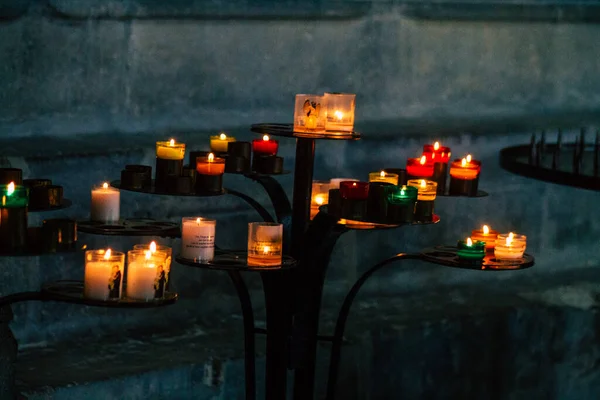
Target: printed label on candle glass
{"points": [[160, 281], [201, 242]]}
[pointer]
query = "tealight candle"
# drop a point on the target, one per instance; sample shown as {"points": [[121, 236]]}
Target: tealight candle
{"points": [[146, 274], [401, 204], [487, 235], [354, 190], [105, 205], [340, 112], [265, 146], [309, 113], [464, 176], [198, 238], [471, 250], [335, 182], [265, 244], [319, 196], [13, 217], [427, 191], [353, 204], [436, 153], [219, 143], [383, 176], [510, 246], [419, 168], [169, 161], [168, 253], [103, 278], [209, 177]]}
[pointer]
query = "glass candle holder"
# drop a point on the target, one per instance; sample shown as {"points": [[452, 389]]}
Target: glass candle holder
{"points": [[265, 146], [419, 168], [265, 241], [209, 173], [335, 182], [198, 238], [487, 235], [403, 195], [168, 254], [219, 143], [471, 250], [104, 273], [340, 112], [319, 196], [510, 246], [383, 176], [465, 169], [146, 274], [427, 190], [106, 204], [436, 153], [169, 161], [8, 175], [310, 113], [401, 172], [354, 190], [13, 218]]}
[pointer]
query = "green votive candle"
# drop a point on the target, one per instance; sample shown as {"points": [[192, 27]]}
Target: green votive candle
{"points": [[401, 204], [471, 250], [13, 218]]}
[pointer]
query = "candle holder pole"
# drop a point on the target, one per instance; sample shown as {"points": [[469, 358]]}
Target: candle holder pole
{"points": [[305, 159]]}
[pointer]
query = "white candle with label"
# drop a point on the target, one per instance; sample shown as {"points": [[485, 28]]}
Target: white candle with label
{"points": [[103, 277], [106, 201], [146, 274], [198, 238]]}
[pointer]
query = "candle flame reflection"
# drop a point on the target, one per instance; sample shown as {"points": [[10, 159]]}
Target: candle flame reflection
{"points": [[222, 136], [338, 114], [11, 189], [469, 242], [266, 249], [486, 230], [148, 254], [319, 199], [436, 146], [107, 254], [423, 160], [211, 157], [266, 138]]}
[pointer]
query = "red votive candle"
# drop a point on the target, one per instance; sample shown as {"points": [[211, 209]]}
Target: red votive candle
{"points": [[353, 190], [436, 153], [419, 167], [265, 146]]}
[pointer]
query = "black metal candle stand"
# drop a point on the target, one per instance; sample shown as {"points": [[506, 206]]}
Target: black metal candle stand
{"points": [[235, 260], [131, 227], [447, 256], [65, 203], [287, 130], [160, 191], [574, 164], [366, 225]]}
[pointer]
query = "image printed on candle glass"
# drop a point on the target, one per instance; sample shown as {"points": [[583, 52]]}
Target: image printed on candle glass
{"points": [[162, 255], [104, 271], [309, 113]]}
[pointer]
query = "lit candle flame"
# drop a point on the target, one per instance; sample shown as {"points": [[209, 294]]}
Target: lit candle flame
{"points": [[423, 183], [198, 221], [153, 247], [486, 230], [266, 249], [222, 136], [402, 190], [211, 157], [449, 154], [339, 115], [436, 146], [11, 189], [382, 174], [509, 240], [433, 156], [423, 160], [266, 138], [469, 242], [105, 185], [468, 158], [107, 254], [354, 184], [172, 142], [148, 254], [319, 199], [463, 163]]}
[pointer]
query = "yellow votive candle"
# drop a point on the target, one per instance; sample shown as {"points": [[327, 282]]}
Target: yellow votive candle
{"points": [[218, 143], [427, 190], [170, 150], [383, 176]]}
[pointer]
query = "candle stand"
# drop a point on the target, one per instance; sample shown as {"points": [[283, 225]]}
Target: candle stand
{"points": [[292, 290]]}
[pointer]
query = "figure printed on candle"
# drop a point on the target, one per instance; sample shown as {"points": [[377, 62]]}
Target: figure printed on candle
{"points": [[311, 109], [114, 283], [160, 282]]}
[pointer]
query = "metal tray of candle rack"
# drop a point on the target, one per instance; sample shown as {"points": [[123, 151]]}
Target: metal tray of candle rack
{"points": [[480, 193], [131, 227], [235, 260], [257, 174], [365, 225], [575, 164], [447, 256], [153, 190], [72, 292], [65, 203], [287, 130]]}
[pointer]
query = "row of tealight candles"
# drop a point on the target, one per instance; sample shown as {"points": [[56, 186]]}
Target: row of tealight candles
{"points": [[505, 246], [148, 266]]}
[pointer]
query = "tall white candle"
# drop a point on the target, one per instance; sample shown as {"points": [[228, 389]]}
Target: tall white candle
{"points": [[103, 278], [146, 274], [198, 238], [106, 202]]}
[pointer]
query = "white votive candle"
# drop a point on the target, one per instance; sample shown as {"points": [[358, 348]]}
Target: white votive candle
{"points": [[510, 246], [103, 278], [265, 244], [106, 202], [146, 274], [198, 238]]}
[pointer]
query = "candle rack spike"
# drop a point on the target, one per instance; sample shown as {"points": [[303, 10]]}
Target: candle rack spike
{"points": [[532, 149]]}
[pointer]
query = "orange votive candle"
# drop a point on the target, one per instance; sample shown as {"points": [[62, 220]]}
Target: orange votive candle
{"points": [[466, 169], [487, 235], [210, 165]]}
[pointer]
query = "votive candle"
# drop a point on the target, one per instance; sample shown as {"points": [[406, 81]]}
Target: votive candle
{"points": [[106, 201], [353, 190], [210, 165], [419, 167], [154, 248], [219, 143], [265, 241], [436, 153], [427, 190], [340, 112], [383, 176], [465, 168], [334, 183], [103, 277], [471, 250], [146, 274], [265, 146], [319, 196], [510, 246], [487, 235], [198, 238]]}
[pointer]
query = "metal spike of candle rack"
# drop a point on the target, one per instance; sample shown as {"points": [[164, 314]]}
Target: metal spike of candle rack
{"points": [[292, 292], [571, 164]]}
